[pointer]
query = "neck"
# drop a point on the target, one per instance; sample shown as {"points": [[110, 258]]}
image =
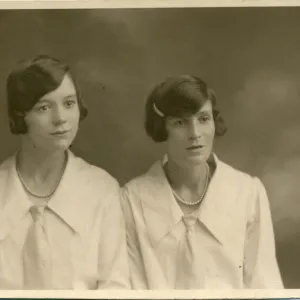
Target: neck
{"points": [[39, 166], [190, 177]]}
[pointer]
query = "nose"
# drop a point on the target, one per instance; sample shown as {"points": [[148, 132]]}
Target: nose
{"points": [[58, 116], [194, 130]]}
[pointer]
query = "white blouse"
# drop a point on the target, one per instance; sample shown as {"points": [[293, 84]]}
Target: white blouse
{"points": [[233, 232], [84, 224]]}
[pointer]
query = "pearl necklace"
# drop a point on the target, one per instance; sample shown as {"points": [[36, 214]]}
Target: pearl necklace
{"points": [[56, 185], [202, 195]]}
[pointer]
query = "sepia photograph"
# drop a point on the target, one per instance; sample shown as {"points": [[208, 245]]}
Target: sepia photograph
{"points": [[150, 149]]}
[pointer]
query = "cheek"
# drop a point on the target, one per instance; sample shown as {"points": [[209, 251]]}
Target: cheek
{"points": [[36, 125], [37, 131], [176, 144], [75, 121], [176, 137], [210, 131], [74, 116]]}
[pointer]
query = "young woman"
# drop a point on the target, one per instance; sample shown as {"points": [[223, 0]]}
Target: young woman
{"points": [[194, 222], [61, 223]]}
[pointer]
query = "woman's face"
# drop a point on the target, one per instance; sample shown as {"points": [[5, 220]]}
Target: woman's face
{"points": [[53, 121], [190, 139]]}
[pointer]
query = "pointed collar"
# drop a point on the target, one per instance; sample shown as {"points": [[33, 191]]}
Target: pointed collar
{"points": [[68, 202], [162, 213], [14, 201]]}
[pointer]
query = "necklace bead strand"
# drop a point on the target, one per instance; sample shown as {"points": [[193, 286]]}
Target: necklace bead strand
{"points": [[34, 194], [202, 195]]}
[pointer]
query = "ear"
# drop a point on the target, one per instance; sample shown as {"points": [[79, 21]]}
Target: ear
{"points": [[12, 122], [221, 128], [18, 113], [216, 114]]}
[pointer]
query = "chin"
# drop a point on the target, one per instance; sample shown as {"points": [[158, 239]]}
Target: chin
{"points": [[62, 146], [197, 160]]}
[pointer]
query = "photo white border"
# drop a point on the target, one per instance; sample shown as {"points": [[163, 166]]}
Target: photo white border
{"points": [[131, 294], [204, 294], [106, 4]]}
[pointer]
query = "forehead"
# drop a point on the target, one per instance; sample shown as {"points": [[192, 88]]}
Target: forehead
{"points": [[206, 108], [65, 89]]}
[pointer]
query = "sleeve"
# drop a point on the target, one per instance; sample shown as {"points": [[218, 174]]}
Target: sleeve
{"points": [[260, 264], [113, 270], [7, 284], [136, 264]]}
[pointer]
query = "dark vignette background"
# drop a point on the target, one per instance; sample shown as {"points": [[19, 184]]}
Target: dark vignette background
{"points": [[250, 56]]}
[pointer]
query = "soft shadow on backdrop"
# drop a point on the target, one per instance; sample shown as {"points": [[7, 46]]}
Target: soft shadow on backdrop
{"points": [[249, 56]]}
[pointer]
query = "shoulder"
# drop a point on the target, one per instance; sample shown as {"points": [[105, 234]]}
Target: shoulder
{"points": [[6, 164], [94, 180], [247, 187], [143, 188], [144, 182], [5, 168], [243, 189], [234, 176], [93, 172]]}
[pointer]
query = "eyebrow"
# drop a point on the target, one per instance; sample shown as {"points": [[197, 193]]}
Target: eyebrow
{"points": [[203, 112], [71, 96], [66, 97]]}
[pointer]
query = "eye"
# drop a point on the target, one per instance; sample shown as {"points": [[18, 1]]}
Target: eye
{"points": [[43, 108], [69, 103], [204, 119], [179, 122]]}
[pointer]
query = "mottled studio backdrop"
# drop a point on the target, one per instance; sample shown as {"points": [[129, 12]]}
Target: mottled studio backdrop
{"points": [[250, 56]]}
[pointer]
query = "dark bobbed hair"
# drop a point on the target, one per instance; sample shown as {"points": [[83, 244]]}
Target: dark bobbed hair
{"points": [[29, 82], [179, 96]]}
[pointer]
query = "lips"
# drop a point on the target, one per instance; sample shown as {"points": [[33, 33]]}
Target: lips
{"points": [[60, 132], [194, 147]]}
